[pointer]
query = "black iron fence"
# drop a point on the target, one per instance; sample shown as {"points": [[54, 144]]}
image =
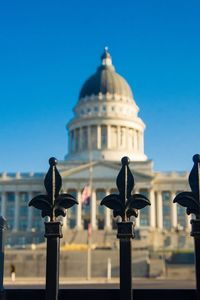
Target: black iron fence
{"points": [[125, 206]]}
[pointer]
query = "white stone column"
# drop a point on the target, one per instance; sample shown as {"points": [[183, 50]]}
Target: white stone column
{"points": [[93, 212], [98, 137], [152, 209], [159, 210], [16, 216], [30, 212], [173, 207], [79, 225], [187, 222], [107, 225], [137, 220], [3, 204]]}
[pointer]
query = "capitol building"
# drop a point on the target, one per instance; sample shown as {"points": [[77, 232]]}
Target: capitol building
{"points": [[105, 127]]}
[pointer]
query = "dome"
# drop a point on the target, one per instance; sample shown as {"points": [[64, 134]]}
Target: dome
{"points": [[105, 80]]}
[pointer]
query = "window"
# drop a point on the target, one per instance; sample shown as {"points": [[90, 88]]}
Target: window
{"points": [[166, 209], [23, 224], [23, 204], [100, 194], [10, 197], [10, 209], [94, 137], [181, 215], [77, 133], [144, 213], [71, 213], [103, 136], [72, 141], [85, 138]]}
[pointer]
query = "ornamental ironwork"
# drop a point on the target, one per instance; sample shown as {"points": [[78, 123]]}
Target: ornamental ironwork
{"points": [[53, 204]]}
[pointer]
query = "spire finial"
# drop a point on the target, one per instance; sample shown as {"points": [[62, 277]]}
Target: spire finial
{"points": [[106, 58]]}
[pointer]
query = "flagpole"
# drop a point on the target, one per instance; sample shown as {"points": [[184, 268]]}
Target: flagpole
{"points": [[90, 225], [91, 179]]}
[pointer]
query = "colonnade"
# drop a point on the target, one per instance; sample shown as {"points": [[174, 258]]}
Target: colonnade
{"points": [[13, 216], [155, 214], [105, 136]]}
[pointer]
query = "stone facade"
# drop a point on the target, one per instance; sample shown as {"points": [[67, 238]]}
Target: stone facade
{"points": [[105, 128]]}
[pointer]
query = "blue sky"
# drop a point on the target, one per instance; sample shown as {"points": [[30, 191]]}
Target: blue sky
{"points": [[49, 48]]}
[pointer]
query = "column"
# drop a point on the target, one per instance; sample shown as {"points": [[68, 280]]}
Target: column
{"points": [[137, 220], [152, 209], [79, 225], [30, 212], [65, 219], [174, 219], [16, 216], [187, 222], [107, 216], [98, 137], [93, 210], [3, 204], [159, 210]]}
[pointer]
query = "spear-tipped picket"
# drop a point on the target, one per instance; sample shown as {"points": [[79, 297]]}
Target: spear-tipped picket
{"points": [[125, 204], [191, 200], [53, 205]]}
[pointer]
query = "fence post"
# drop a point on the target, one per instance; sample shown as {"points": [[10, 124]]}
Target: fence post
{"points": [[53, 205], [191, 200], [2, 240], [125, 205]]}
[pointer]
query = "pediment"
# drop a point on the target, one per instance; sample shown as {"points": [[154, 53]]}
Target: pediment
{"points": [[100, 171]]}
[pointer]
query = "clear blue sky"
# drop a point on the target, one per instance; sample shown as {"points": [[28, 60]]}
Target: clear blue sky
{"points": [[49, 48]]}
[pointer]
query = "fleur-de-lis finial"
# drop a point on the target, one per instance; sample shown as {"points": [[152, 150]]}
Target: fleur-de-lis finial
{"points": [[53, 204], [191, 200], [125, 204]]}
